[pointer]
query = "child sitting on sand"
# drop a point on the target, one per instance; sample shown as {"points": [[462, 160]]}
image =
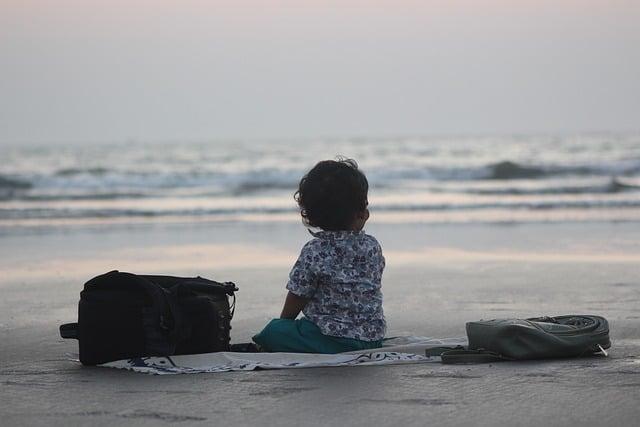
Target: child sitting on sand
{"points": [[336, 280]]}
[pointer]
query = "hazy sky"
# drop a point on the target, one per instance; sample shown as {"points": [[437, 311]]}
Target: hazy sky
{"points": [[184, 69]]}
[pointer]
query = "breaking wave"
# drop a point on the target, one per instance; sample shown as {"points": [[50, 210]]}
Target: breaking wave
{"points": [[146, 181], [53, 213]]}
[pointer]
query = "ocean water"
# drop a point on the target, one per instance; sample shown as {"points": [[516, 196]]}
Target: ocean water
{"points": [[430, 180]]}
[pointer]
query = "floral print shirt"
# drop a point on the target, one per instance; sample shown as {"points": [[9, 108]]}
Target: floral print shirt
{"points": [[340, 273]]}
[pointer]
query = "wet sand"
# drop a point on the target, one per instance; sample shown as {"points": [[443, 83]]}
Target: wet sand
{"points": [[437, 278]]}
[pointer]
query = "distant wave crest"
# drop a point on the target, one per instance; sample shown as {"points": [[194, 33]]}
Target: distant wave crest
{"points": [[614, 186], [512, 170], [7, 183], [79, 171], [508, 170]]}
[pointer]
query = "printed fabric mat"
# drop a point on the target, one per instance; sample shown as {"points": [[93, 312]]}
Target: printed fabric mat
{"points": [[398, 350]]}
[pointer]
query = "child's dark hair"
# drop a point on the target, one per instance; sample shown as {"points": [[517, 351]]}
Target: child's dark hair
{"points": [[331, 194]]}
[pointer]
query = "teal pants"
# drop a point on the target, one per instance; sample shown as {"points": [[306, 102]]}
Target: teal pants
{"points": [[303, 336]]}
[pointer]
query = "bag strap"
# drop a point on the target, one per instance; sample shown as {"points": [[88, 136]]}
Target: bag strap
{"points": [[472, 356], [232, 308], [438, 351], [154, 291], [198, 284], [162, 305]]}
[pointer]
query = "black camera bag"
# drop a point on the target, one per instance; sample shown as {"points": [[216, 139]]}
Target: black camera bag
{"points": [[123, 315]]}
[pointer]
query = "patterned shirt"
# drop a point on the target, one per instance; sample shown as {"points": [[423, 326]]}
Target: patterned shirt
{"points": [[340, 272]]}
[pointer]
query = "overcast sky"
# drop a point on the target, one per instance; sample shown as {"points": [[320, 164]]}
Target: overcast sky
{"points": [[171, 70]]}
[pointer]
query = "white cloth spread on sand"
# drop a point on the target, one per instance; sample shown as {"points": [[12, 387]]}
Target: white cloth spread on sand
{"points": [[401, 350]]}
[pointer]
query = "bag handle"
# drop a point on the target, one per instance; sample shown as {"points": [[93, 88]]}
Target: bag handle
{"points": [[69, 331]]}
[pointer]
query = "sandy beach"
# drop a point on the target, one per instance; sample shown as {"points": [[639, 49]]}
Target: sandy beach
{"points": [[437, 278]]}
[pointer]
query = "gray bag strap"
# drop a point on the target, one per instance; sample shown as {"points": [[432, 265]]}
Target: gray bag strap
{"points": [[471, 356]]}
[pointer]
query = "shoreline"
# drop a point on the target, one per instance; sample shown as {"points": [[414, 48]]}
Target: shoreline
{"points": [[482, 217]]}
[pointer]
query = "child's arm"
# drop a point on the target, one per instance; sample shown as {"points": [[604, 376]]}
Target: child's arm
{"points": [[293, 305]]}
